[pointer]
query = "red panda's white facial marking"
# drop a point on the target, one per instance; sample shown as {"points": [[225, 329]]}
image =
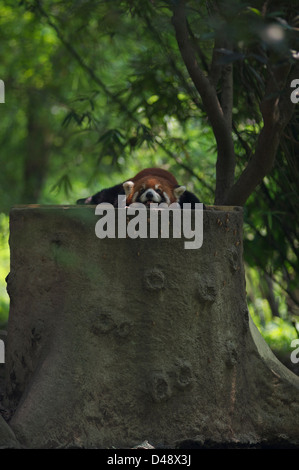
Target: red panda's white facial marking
{"points": [[167, 200]]}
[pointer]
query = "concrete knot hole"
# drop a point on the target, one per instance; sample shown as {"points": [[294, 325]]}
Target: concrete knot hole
{"points": [[231, 358], [124, 329], [159, 387], [206, 291], [37, 331], [154, 279], [102, 323], [184, 375], [233, 257]]}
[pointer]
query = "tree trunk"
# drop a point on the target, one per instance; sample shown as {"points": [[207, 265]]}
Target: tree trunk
{"points": [[115, 341]]}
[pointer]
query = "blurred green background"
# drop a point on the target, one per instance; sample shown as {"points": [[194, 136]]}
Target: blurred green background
{"points": [[96, 91]]}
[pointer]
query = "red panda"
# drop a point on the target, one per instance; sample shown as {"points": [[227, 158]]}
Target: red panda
{"points": [[148, 186], [153, 185]]}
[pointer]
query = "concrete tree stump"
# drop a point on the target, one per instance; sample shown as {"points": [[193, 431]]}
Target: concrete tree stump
{"points": [[115, 341]]}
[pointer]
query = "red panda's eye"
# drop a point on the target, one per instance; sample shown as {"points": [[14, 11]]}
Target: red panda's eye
{"points": [[158, 191]]}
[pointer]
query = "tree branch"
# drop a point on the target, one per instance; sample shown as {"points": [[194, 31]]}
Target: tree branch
{"points": [[215, 68], [277, 109], [225, 166], [198, 49], [227, 94]]}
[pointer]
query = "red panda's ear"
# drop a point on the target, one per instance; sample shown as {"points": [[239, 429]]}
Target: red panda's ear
{"points": [[179, 191], [128, 187]]}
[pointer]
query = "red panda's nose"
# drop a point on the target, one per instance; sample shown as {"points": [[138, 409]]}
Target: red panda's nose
{"points": [[149, 195]]}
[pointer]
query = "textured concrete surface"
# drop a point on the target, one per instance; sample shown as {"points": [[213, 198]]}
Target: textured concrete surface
{"points": [[7, 438], [118, 341]]}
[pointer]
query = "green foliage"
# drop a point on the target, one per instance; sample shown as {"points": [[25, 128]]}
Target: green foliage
{"points": [[4, 269], [278, 333]]}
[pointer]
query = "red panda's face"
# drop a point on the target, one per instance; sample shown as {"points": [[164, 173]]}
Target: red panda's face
{"points": [[150, 190]]}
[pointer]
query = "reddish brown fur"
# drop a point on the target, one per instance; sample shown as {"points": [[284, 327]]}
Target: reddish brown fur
{"points": [[149, 178], [158, 172]]}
